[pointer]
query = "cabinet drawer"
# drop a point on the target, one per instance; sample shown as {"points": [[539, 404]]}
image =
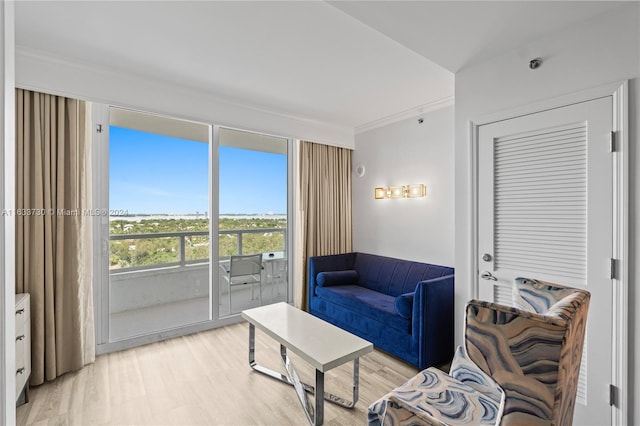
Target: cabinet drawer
{"points": [[19, 324], [27, 347], [21, 368], [23, 341], [20, 358], [22, 311]]}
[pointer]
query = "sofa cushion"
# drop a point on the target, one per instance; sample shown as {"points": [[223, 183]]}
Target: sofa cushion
{"points": [[394, 276], [368, 303], [330, 278], [404, 304]]}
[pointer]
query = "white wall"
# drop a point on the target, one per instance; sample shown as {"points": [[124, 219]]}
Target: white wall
{"points": [[402, 153], [600, 51], [42, 72], [7, 227]]}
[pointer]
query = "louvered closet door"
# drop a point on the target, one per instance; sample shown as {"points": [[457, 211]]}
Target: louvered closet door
{"points": [[545, 211]]}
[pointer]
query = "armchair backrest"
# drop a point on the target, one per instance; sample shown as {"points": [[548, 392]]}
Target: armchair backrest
{"points": [[538, 296], [250, 264], [532, 349]]}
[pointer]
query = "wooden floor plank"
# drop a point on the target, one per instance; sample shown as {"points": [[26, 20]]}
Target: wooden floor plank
{"points": [[202, 379]]}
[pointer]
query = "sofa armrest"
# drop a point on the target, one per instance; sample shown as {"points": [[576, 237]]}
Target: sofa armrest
{"points": [[432, 325]]}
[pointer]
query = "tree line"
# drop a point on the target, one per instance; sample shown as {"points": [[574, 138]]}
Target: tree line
{"points": [[134, 252]]}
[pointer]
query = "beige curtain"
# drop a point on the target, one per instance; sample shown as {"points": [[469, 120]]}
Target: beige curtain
{"points": [[324, 208], [53, 231]]}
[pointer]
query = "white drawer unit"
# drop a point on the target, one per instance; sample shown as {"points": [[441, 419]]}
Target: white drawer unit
{"points": [[23, 344]]}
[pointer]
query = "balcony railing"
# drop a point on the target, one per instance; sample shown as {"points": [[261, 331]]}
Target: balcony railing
{"points": [[178, 248]]}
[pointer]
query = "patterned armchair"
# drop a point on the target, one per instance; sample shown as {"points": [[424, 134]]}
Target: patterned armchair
{"points": [[520, 365]]}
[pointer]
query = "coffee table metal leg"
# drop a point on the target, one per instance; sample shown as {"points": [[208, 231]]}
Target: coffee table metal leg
{"points": [[319, 394], [259, 368], [314, 419], [356, 379], [292, 379]]}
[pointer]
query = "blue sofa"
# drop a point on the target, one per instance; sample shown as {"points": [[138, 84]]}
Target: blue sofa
{"points": [[402, 307]]}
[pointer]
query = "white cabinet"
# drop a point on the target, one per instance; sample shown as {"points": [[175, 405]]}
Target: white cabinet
{"points": [[23, 344]]}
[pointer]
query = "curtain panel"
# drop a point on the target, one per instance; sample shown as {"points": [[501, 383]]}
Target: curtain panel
{"points": [[324, 208], [53, 230]]}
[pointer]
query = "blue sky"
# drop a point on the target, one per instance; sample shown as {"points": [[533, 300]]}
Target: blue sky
{"points": [[151, 173]]}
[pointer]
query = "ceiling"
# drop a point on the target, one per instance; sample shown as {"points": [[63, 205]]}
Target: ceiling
{"points": [[346, 63], [456, 34]]}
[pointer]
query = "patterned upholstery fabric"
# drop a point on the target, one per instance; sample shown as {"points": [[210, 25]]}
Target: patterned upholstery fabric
{"points": [[520, 365], [433, 397], [465, 371], [538, 296]]}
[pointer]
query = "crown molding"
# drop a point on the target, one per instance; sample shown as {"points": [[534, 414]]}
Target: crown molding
{"points": [[45, 58], [403, 115], [28, 52]]}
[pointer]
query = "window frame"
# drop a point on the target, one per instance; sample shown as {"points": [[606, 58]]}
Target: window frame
{"points": [[100, 200]]}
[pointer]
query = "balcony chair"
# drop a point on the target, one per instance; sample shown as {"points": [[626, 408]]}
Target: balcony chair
{"points": [[276, 277], [520, 365], [244, 270]]}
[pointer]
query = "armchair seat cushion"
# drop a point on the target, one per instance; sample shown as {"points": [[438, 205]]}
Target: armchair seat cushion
{"points": [[369, 304], [465, 371], [433, 397]]}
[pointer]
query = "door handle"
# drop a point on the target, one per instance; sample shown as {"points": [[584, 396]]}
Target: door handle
{"points": [[486, 275]]}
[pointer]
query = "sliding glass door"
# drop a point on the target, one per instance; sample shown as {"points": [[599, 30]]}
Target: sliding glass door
{"points": [[198, 225], [158, 225], [253, 227]]}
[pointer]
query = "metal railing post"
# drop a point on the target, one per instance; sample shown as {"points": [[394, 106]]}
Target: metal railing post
{"points": [[183, 256], [285, 241], [239, 242]]}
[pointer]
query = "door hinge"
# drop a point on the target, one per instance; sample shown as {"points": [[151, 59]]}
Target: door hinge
{"points": [[612, 141], [613, 269], [613, 396], [99, 128]]}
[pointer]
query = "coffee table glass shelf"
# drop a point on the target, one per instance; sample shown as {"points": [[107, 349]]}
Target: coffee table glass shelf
{"points": [[322, 345]]}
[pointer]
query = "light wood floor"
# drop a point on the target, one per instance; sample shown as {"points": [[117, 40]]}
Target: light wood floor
{"points": [[202, 379]]}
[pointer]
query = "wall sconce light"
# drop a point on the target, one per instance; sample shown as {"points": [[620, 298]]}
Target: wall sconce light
{"points": [[406, 191], [396, 192], [380, 193], [416, 190]]}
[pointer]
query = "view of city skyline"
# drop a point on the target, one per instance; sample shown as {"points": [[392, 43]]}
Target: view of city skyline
{"points": [[157, 174]]}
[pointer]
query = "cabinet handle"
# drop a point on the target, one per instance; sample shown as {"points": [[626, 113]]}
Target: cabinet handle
{"points": [[20, 337], [20, 311], [20, 370]]}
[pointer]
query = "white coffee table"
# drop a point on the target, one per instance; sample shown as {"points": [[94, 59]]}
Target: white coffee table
{"points": [[323, 345]]}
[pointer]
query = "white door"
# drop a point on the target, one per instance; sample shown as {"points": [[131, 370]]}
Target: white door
{"points": [[545, 211]]}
